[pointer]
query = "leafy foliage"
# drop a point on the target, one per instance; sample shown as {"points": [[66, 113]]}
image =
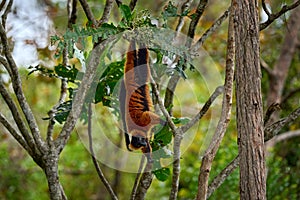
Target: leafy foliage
{"points": [[108, 81]]}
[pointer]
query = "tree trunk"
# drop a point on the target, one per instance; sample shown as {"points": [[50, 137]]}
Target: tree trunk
{"points": [[249, 102], [51, 172]]}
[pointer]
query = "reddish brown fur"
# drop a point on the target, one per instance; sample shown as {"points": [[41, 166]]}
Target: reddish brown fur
{"points": [[138, 117]]}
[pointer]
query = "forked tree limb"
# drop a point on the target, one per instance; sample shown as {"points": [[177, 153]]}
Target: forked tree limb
{"points": [[17, 86], [224, 120], [273, 17], [272, 129]]}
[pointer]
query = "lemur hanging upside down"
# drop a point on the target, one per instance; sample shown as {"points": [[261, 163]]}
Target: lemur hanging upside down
{"points": [[135, 100]]}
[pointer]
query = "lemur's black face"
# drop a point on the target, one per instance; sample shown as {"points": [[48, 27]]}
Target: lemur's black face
{"points": [[138, 142]]}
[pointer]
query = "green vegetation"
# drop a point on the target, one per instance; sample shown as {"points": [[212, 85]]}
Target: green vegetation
{"points": [[20, 178]]}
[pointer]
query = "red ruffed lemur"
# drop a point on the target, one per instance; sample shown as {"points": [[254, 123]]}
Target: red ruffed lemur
{"points": [[135, 100]]}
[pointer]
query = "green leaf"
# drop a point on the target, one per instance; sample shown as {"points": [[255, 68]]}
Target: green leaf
{"points": [[170, 11], [66, 72], [163, 137], [126, 13], [108, 82], [63, 111], [54, 39], [162, 174], [181, 120]]}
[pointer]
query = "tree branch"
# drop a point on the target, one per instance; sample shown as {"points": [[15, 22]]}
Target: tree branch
{"points": [[88, 12], [72, 16], [119, 2], [132, 4], [218, 180], [79, 98], [282, 137], [145, 182], [270, 132], [15, 134], [195, 19], [209, 31], [273, 129], [17, 117], [5, 64], [274, 107], [185, 6], [72, 12], [272, 17], [7, 10], [17, 86], [213, 147], [162, 107], [266, 67], [98, 169], [289, 95], [218, 91], [137, 179], [265, 8], [2, 4], [106, 12]]}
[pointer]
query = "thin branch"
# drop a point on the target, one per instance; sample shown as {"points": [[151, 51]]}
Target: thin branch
{"points": [[185, 7], [5, 64], [132, 4], [195, 19], [213, 147], [178, 135], [218, 91], [171, 86], [14, 133], [270, 132], [289, 95], [137, 179], [98, 169], [72, 16], [2, 4], [274, 107], [273, 129], [218, 180], [210, 30], [176, 165], [178, 138], [162, 107], [17, 86], [145, 182], [266, 67], [169, 96], [106, 12], [119, 2], [282, 137], [265, 8], [7, 10], [79, 98], [17, 117], [72, 12], [272, 17], [88, 12]]}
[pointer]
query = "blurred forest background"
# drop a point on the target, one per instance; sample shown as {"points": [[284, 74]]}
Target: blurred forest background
{"points": [[30, 26]]}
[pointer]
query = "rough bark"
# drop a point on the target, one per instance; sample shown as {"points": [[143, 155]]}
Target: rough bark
{"points": [[249, 102], [51, 171]]}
